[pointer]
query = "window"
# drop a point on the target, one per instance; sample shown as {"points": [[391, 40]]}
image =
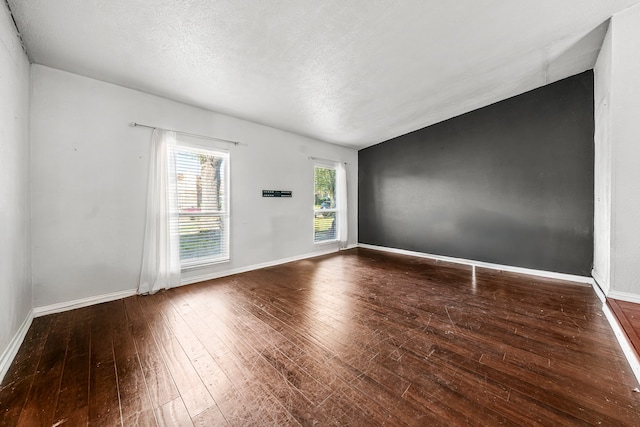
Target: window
{"points": [[325, 210], [202, 180]]}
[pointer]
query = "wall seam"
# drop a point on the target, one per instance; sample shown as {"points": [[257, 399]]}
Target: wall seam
{"points": [[18, 33], [612, 156]]}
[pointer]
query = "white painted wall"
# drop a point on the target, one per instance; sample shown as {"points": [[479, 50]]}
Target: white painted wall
{"points": [[623, 87], [625, 114], [602, 174], [89, 177], [15, 211]]}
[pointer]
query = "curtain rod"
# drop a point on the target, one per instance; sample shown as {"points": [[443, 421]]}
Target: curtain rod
{"points": [[195, 135], [326, 160]]}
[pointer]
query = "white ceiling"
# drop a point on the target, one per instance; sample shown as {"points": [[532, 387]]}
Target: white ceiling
{"points": [[351, 72]]}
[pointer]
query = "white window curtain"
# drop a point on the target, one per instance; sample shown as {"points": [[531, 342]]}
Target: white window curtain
{"points": [[341, 195], [161, 253]]}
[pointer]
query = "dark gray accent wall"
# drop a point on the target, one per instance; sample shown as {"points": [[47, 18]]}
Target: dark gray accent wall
{"points": [[510, 183]]}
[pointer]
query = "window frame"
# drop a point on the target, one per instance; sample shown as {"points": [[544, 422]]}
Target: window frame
{"points": [[191, 263], [319, 165]]}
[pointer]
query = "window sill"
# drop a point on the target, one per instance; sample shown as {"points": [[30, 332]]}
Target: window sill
{"points": [[326, 242], [202, 264]]}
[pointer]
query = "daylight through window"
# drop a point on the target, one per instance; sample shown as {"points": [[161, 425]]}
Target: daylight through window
{"points": [[202, 179], [325, 209]]}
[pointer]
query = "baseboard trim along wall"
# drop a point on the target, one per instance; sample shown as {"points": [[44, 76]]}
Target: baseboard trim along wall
{"points": [[628, 351], [97, 299], [624, 296], [9, 354], [12, 349], [14, 345], [218, 274], [601, 282], [599, 291], [631, 356], [521, 270], [82, 302]]}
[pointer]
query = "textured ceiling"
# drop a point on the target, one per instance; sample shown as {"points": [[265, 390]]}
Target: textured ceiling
{"points": [[354, 72]]}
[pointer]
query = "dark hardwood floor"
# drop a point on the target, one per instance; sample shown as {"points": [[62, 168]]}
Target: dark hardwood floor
{"points": [[356, 338], [628, 315]]}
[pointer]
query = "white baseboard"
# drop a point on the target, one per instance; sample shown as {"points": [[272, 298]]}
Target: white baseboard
{"points": [[628, 351], [10, 352], [218, 274], [600, 293], [14, 345], [82, 302], [521, 270], [624, 296], [602, 283]]}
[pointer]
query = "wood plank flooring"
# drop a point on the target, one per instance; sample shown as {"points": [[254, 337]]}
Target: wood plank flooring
{"points": [[628, 315], [356, 338]]}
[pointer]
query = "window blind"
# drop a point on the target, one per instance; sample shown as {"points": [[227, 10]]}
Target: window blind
{"points": [[325, 220], [202, 181]]}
